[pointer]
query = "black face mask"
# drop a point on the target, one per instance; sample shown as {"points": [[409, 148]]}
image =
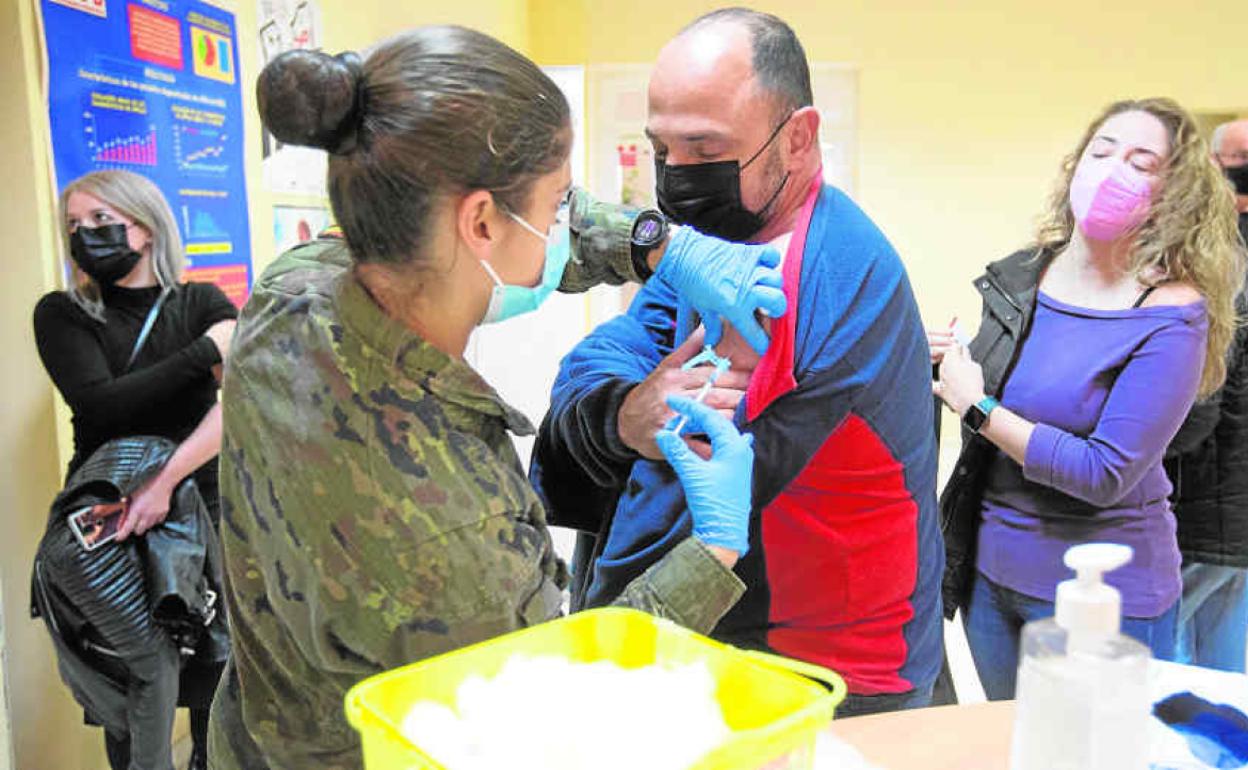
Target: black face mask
{"points": [[103, 253], [1239, 178], [707, 196]]}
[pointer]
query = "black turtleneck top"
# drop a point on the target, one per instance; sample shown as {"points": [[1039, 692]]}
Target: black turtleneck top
{"points": [[170, 387]]}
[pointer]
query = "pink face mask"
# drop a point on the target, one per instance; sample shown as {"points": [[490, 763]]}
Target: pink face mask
{"points": [[1108, 203]]}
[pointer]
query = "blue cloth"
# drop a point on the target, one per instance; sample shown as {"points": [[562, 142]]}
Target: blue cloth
{"points": [[1216, 733], [994, 622], [579, 463], [1213, 617]]}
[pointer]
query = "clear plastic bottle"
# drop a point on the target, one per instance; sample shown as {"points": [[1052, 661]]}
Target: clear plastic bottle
{"points": [[1082, 686]]}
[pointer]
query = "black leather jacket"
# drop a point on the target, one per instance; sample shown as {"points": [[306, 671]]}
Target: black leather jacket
{"points": [[1008, 288], [128, 619], [1208, 464]]}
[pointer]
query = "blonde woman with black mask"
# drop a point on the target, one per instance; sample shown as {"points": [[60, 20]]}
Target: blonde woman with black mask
{"points": [[126, 266]]}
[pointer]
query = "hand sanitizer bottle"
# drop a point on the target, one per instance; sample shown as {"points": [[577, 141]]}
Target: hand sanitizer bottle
{"points": [[1082, 686]]}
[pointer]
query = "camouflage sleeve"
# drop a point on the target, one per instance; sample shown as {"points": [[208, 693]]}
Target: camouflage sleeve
{"points": [[470, 583], [688, 585], [601, 244]]}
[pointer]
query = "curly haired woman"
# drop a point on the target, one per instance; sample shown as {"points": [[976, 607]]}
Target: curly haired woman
{"points": [[1092, 347]]}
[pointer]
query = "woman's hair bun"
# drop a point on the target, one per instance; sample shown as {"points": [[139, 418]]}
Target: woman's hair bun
{"points": [[313, 99]]}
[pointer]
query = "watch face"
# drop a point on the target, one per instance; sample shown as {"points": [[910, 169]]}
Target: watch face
{"points": [[648, 230], [974, 418]]}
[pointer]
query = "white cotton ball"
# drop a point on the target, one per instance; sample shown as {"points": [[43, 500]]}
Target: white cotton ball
{"points": [[438, 732], [548, 713]]}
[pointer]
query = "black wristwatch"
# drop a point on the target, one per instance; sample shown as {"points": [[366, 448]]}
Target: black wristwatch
{"points": [[649, 230], [977, 416]]}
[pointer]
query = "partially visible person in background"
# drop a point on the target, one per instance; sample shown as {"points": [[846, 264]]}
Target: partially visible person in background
{"points": [[1230, 148], [128, 259], [1139, 262], [1208, 465]]}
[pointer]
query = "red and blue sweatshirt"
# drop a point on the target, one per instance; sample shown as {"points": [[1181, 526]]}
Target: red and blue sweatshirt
{"points": [[846, 556]]}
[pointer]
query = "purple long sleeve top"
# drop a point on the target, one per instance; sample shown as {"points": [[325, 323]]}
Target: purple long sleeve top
{"points": [[1107, 390]]}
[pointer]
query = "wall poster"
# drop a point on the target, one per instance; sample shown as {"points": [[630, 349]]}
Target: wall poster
{"points": [[152, 86]]}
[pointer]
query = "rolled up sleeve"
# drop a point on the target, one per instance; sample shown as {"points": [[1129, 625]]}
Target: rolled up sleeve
{"points": [[689, 585]]}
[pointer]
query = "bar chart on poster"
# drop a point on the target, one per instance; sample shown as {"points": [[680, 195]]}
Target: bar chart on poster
{"points": [[152, 87], [118, 131]]}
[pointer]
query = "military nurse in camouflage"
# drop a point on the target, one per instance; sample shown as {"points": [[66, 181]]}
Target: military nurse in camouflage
{"points": [[374, 510]]}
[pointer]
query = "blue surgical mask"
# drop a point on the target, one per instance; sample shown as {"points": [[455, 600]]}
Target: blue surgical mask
{"points": [[508, 301]]}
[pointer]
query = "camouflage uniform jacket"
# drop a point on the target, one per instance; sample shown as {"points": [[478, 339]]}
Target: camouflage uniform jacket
{"points": [[374, 513]]}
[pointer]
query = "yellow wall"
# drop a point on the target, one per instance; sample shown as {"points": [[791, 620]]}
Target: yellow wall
{"points": [[47, 731], [43, 714], [965, 107]]}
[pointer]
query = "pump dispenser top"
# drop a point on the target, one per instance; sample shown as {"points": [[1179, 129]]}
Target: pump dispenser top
{"points": [[1087, 608]]}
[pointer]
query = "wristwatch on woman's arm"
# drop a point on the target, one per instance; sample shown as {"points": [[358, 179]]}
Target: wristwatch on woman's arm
{"points": [[976, 417]]}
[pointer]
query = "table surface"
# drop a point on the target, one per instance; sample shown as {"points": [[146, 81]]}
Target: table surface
{"points": [[972, 737], [977, 736]]}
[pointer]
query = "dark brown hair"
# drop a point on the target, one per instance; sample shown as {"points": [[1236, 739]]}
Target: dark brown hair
{"points": [[434, 112]]}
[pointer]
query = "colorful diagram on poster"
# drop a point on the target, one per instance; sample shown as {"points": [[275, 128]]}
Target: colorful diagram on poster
{"points": [[214, 55], [151, 86]]}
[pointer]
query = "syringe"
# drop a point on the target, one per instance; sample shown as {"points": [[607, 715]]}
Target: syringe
{"points": [[708, 355]]}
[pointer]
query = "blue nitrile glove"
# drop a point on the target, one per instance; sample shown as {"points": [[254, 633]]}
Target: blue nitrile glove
{"points": [[725, 279], [717, 490]]}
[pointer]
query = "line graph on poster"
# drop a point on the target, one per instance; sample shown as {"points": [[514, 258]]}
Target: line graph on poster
{"points": [[199, 149]]}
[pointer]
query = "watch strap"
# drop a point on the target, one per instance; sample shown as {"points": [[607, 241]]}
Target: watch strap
{"points": [[640, 266], [987, 404], [977, 416]]}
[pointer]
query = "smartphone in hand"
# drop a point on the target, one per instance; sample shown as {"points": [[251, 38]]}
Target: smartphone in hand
{"points": [[96, 525]]}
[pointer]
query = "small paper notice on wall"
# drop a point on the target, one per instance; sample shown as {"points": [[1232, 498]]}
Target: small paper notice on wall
{"points": [[293, 225], [286, 25]]}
